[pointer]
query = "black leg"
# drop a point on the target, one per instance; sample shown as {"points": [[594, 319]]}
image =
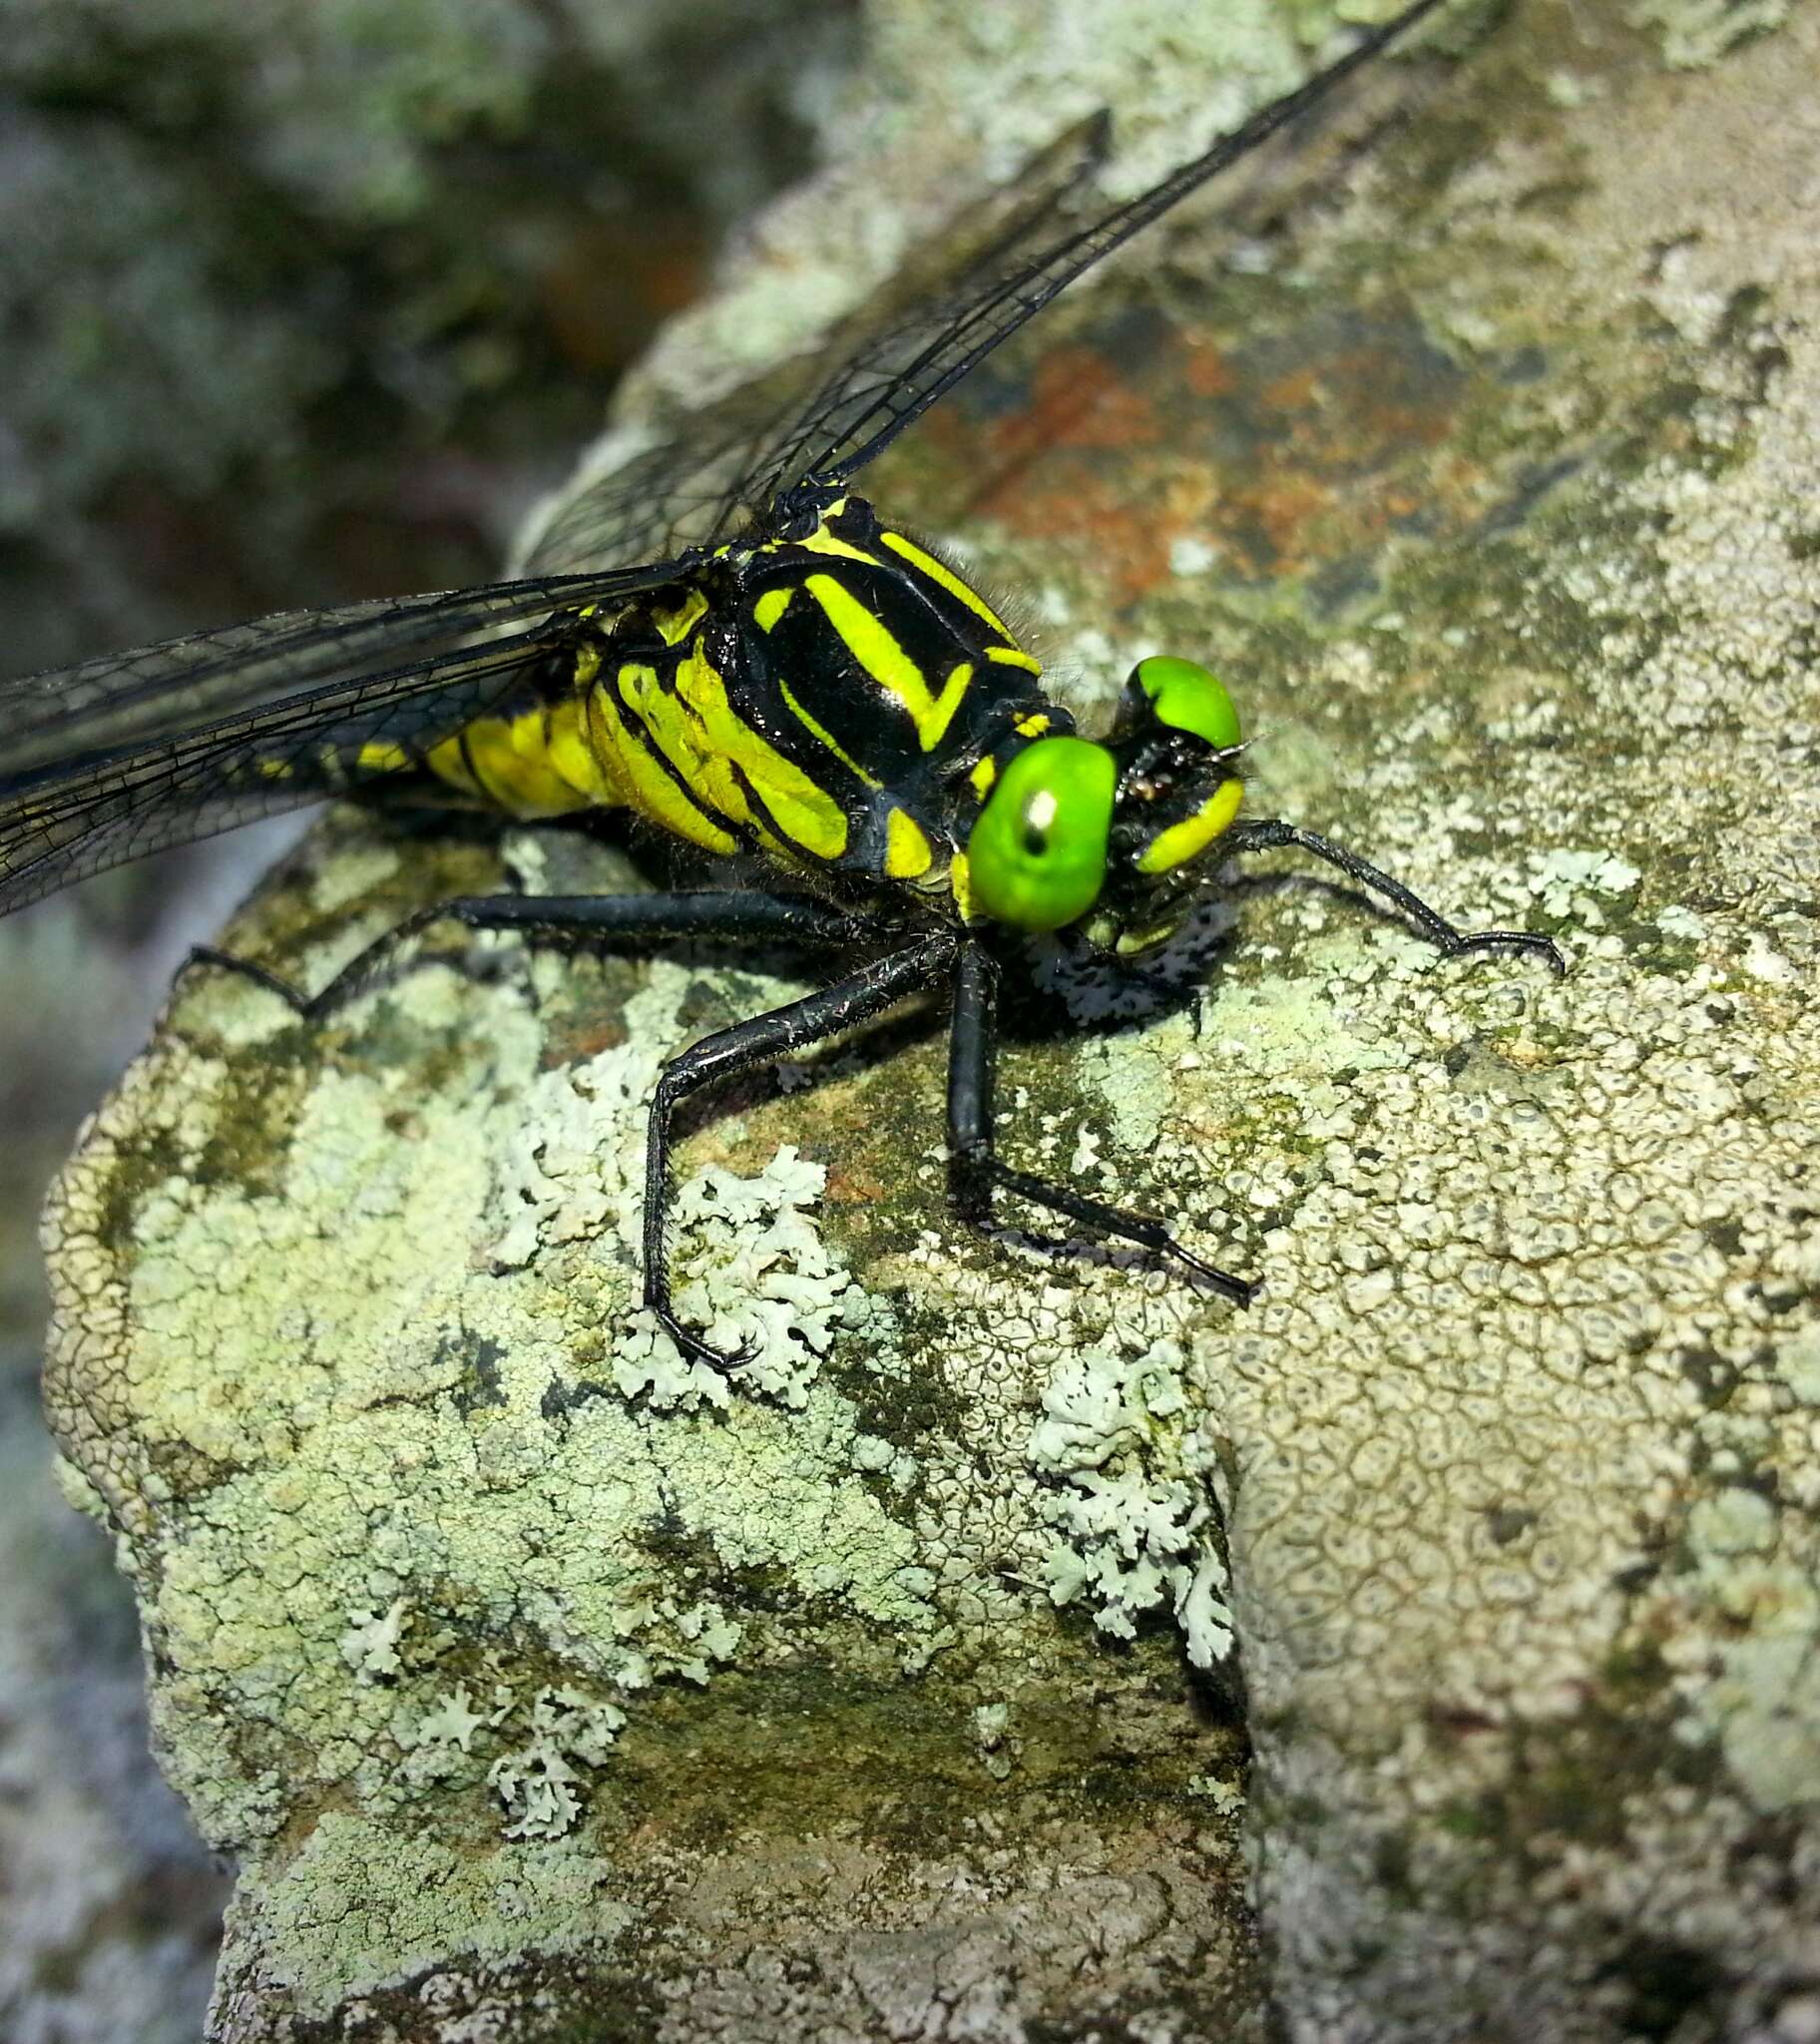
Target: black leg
{"points": [[609, 918], [1267, 833], [977, 1170], [870, 990]]}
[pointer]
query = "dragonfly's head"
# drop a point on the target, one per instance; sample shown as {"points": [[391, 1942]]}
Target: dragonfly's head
{"points": [[1112, 836]]}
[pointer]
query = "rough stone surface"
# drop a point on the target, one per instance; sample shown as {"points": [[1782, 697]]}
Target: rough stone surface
{"points": [[304, 295], [300, 300], [527, 1674]]}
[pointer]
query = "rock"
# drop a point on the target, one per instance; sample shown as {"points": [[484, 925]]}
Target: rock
{"points": [[535, 1680]]}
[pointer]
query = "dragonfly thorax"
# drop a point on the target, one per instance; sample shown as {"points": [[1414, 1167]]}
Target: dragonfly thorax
{"points": [[832, 693], [886, 645]]}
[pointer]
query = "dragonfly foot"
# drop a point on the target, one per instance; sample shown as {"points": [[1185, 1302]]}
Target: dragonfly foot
{"points": [[1544, 948], [699, 1351], [245, 968]]}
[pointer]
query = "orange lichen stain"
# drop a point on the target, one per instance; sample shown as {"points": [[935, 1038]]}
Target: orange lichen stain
{"points": [[1206, 372], [1352, 410], [1379, 412], [1393, 429], [1078, 399], [1190, 499], [851, 1185], [1297, 391], [1122, 532], [1286, 508], [1456, 483], [577, 1045], [1079, 403], [1315, 447]]}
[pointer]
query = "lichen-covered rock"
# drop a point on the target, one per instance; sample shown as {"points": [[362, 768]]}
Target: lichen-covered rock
{"points": [[487, 1631], [536, 1682], [257, 254]]}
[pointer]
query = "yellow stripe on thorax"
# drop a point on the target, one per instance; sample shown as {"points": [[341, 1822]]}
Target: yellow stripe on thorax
{"points": [[944, 577], [802, 810], [825, 737], [822, 541], [871, 644], [676, 625], [908, 853], [960, 879], [647, 788]]}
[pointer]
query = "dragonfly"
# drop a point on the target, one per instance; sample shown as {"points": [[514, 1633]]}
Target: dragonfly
{"points": [[725, 640]]}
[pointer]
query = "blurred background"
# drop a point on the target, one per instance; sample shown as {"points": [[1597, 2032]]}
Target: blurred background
{"points": [[302, 301]]}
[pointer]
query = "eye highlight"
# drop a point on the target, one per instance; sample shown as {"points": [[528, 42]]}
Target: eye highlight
{"points": [[1040, 814], [1037, 855]]}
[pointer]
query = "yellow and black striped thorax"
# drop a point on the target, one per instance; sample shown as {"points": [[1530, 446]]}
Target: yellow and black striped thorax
{"points": [[833, 694]]}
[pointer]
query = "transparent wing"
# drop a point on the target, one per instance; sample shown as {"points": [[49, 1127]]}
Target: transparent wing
{"points": [[695, 485], [182, 681], [896, 378], [136, 751], [743, 457]]}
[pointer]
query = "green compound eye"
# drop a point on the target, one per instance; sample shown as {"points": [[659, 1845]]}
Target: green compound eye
{"points": [[1037, 855], [1187, 698]]}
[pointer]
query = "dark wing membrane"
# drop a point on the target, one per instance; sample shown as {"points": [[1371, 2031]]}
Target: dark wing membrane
{"points": [[735, 461], [180, 683], [136, 751], [695, 485]]}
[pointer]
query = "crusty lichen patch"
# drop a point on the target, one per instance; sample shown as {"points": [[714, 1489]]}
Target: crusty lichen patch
{"points": [[436, 1539], [1505, 1488], [1522, 1528]]}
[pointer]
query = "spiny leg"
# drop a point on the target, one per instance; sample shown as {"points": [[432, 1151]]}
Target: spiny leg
{"points": [[1266, 834], [642, 918], [863, 994], [972, 1048], [608, 919]]}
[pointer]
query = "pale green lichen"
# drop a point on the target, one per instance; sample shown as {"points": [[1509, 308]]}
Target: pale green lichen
{"points": [[755, 1277], [370, 1644], [361, 1903], [364, 1450], [537, 1782], [1227, 1798], [1696, 33], [749, 1271], [453, 1721], [1798, 1363], [457, 1553], [1132, 1505]]}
